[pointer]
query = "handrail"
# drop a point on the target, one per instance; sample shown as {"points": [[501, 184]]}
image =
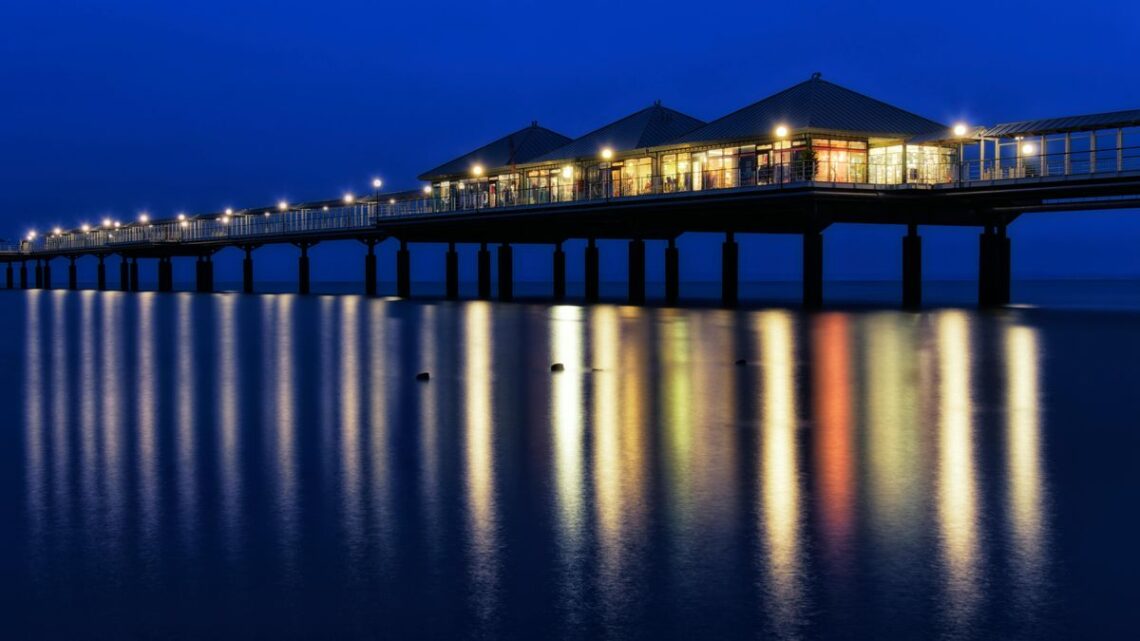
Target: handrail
{"points": [[884, 171]]}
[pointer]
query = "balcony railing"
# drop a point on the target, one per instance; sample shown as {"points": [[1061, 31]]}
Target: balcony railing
{"points": [[254, 226]]}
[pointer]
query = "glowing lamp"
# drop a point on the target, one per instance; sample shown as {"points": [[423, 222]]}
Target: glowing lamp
{"points": [[349, 198], [607, 153], [1029, 149], [781, 131], [106, 222], [282, 206], [57, 231], [427, 189], [567, 172], [377, 183], [391, 201], [477, 170], [143, 217], [960, 130], [32, 235], [85, 227]]}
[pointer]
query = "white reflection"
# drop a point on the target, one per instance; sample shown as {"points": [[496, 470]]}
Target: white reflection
{"points": [[113, 476], [34, 422], [88, 409], [60, 394], [957, 493], [352, 507], [277, 314], [779, 473], [479, 458], [1026, 494], [567, 415], [186, 430], [228, 390], [380, 481], [145, 384]]}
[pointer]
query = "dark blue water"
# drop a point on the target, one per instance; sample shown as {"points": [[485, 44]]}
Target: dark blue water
{"points": [[223, 466]]}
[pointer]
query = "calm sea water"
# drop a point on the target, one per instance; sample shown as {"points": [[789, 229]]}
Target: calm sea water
{"points": [[226, 466]]}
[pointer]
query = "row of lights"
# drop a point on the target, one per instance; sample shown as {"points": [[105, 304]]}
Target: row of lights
{"points": [[282, 205]]}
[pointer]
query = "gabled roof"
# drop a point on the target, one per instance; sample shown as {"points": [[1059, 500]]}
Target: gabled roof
{"points": [[652, 126], [1088, 122], [814, 104], [521, 146]]}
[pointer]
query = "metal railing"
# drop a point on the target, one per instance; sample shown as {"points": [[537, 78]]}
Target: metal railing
{"points": [[612, 185]]}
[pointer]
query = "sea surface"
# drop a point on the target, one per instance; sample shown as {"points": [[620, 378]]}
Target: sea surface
{"points": [[186, 466]]}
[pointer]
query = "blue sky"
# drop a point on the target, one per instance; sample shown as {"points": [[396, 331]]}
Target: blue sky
{"points": [[124, 106]]}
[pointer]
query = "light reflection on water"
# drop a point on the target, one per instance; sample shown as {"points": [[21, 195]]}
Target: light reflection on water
{"points": [[238, 461]]}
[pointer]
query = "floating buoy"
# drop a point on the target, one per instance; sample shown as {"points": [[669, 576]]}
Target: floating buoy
{"points": [[557, 367], [423, 376]]}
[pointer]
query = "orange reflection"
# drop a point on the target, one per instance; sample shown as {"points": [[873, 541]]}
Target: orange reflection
{"points": [[833, 443]]}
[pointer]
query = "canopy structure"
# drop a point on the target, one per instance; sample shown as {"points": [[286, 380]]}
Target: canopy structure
{"points": [[650, 127], [521, 146]]}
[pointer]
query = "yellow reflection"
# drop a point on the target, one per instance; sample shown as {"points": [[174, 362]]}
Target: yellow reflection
{"points": [[429, 420], [835, 459], [228, 390], [957, 494], [779, 470], [186, 430], [1023, 457], [604, 330], [566, 348], [479, 457], [675, 346]]}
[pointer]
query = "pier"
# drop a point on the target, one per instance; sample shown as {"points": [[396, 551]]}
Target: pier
{"points": [[800, 162]]}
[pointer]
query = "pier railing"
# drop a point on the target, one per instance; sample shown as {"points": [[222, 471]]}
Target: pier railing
{"points": [[266, 225]]}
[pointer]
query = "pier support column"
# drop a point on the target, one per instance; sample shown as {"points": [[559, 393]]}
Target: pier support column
{"points": [[506, 272], [1004, 272], [559, 273], [988, 268], [403, 271], [912, 268], [134, 274], [72, 274], [729, 271], [39, 274], [101, 274], [813, 269], [636, 271], [484, 272], [23, 274], [11, 276], [205, 280], [47, 274], [591, 271], [370, 267], [452, 272], [124, 273], [165, 274], [672, 273], [303, 268], [247, 270]]}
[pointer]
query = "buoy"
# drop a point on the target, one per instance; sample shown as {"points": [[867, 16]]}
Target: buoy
{"points": [[423, 376], [557, 367]]}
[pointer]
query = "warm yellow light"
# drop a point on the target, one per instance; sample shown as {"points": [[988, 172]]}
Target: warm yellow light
{"points": [[960, 130], [106, 222], [57, 231], [781, 131], [117, 224], [184, 223], [282, 205], [1029, 149], [391, 201], [225, 220], [377, 183], [477, 170], [143, 217], [607, 153], [85, 227], [229, 212], [567, 172], [181, 216], [427, 189], [31, 235], [349, 198]]}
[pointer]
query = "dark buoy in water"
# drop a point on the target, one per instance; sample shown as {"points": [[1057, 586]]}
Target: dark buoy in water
{"points": [[423, 376], [557, 367], [741, 361]]}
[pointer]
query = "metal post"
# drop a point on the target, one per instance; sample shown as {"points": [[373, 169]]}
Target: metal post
{"points": [[1068, 153], [559, 273], [729, 270], [484, 272], [592, 271], [1092, 152], [672, 273], [134, 274], [1119, 150], [303, 269], [813, 269], [101, 274], [912, 268], [165, 274], [47, 274], [370, 288], [403, 271], [72, 274], [987, 264], [23, 274], [506, 273], [452, 275], [39, 274], [636, 271], [247, 270]]}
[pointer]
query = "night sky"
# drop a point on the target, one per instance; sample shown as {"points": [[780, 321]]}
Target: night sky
{"points": [[113, 108]]}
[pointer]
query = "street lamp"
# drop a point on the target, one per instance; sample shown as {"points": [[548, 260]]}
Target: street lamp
{"points": [[607, 153], [477, 170], [960, 129], [106, 222], [781, 131], [85, 227], [349, 198], [427, 189], [143, 217], [282, 206]]}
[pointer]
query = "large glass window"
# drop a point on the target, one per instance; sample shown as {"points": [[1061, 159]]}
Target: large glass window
{"points": [[840, 160], [675, 172], [637, 176]]}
